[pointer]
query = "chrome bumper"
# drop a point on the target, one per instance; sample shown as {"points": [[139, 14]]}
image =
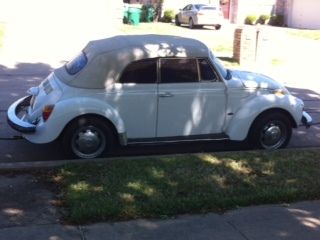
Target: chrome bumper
{"points": [[17, 109], [306, 119]]}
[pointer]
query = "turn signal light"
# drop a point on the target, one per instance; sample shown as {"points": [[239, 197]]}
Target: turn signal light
{"points": [[46, 112]]}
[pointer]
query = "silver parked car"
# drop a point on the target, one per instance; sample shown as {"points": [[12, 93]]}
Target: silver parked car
{"points": [[200, 15]]}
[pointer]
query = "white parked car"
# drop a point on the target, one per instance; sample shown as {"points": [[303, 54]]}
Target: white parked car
{"points": [[153, 88], [198, 15]]}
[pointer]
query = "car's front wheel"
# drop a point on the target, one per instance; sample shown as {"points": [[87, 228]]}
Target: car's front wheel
{"points": [[271, 131], [88, 137]]}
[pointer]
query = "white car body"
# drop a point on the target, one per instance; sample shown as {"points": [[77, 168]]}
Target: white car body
{"points": [[200, 15], [219, 108]]}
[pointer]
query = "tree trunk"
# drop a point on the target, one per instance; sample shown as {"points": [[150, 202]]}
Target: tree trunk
{"points": [[159, 9]]}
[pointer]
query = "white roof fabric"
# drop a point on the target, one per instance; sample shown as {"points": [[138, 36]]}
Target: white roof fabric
{"points": [[108, 57]]}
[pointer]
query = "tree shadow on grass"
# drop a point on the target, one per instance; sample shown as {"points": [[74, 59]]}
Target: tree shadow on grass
{"points": [[167, 186]]}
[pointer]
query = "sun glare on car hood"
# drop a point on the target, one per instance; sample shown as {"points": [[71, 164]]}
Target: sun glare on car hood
{"points": [[256, 80]]}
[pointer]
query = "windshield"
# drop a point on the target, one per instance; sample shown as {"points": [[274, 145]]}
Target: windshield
{"points": [[77, 64], [198, 6], [222, 70], [204, 7]]}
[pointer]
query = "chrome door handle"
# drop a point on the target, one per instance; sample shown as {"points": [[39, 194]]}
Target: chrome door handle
{"points": [[166, 94]]}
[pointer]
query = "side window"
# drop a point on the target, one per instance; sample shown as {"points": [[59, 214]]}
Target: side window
{"points": [[178, 70], [186, 8], [143, 71], [206, 71]]}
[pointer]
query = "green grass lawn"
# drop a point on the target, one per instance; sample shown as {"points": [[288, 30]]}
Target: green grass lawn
{"points": [[154, 28], [309, 34], [161, 187], [219, 41]]}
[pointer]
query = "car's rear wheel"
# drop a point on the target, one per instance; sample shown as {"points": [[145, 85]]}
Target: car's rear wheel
{"points": [[88, 137], [191, 24], [177, 21], [271, 131]]}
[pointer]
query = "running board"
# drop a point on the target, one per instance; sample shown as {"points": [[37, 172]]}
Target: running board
{"points": [[194, 138]]}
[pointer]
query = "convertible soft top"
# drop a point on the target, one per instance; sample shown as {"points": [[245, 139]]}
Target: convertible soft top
{"points": [[108, 57]]}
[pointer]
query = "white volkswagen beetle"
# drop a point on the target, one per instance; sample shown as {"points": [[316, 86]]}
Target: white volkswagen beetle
{"points": [[153, 88]]}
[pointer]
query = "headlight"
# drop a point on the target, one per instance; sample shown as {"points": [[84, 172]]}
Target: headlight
{"points": [[280, 92]]}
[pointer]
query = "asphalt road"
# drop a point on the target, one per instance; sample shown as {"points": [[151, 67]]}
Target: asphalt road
{"points": [[14, 86]]}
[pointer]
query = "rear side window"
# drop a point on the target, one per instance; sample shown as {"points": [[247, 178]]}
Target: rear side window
{"points": [[144, 71], [177, 70], [77, 64], [199, 6], [187, 8], [208, 8]]}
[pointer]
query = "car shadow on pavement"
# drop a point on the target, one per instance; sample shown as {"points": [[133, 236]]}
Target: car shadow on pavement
{"points": [[185, 26], [26, 69], [303, 137], [310, 98], [305, 94]]}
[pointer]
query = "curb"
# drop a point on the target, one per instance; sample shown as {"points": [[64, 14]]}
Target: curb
{"points": [[58, 163]]}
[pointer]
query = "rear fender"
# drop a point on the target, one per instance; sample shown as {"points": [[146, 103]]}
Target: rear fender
{"points": [[67, 110]]}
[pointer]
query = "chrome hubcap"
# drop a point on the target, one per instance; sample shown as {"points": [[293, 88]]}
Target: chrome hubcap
{"points": [[273, 135], [88, 142]]}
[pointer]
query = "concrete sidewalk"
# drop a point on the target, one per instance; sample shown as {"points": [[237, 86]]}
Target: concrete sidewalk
{"points": [[297, 221]]}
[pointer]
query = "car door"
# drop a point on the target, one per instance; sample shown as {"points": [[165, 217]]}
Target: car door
{"points": [[191, 98], [185, 13], [135, 98]]}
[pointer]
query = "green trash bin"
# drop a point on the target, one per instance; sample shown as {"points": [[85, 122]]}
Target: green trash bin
{"points": [[134, 15], [150, 14]]}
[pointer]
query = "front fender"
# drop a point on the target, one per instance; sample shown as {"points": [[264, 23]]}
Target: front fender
{"points": [[239, 125], [67, 110]]}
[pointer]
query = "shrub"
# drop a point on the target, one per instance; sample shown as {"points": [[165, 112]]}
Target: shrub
{"points": [[277, 20], [143, 16], [263, 19], [168, 15], [250, 19], [147, 13]]}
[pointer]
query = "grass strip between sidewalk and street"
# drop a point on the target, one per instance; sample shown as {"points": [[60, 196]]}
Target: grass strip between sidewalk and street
{"points": [[304, 33], [165, 186]]}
